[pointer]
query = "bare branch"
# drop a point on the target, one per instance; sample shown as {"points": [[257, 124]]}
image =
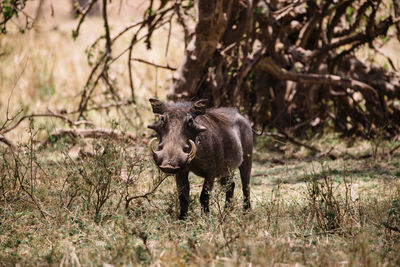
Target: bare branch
{"points": [[362, 37], [391, 152], [107, 30], [146, 195], [52, 114], [83, 14], [154, 64], [269, 65], [8, 142]]}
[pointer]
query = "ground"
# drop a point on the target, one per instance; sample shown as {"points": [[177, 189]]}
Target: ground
{"points": [[305, 211], [103, 202]]}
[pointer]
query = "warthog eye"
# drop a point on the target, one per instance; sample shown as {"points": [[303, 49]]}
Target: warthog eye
{"points": [[190, 122], [186, 148], [194, 126]]}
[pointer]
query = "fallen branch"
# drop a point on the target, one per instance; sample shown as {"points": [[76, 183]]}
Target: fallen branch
{"points": [[292, 140], [319, 153], [269, 65], [89, 133], [94, 133], [50, 114], [391, 228]]}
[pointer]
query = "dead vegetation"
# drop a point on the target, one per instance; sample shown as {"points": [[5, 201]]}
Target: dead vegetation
{"points": [[111, 206]]}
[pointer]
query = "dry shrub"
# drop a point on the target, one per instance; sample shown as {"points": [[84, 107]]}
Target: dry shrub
{"points": [[101, 205], [393, 215], [330, 203], [106, 171], [21, 174]]}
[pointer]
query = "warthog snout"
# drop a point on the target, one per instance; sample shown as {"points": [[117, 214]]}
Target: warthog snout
{"points": [[172, 158]]}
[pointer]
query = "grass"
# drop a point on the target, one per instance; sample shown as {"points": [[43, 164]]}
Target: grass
{"points": [[58, 209], [67, 204]]}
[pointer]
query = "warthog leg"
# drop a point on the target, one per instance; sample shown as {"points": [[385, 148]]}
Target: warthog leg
{"points": [[228, 186], [182, 184], [245, 171], [205, 194]]}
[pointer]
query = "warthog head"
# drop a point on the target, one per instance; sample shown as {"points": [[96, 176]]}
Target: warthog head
{"points": [[176, 130]]}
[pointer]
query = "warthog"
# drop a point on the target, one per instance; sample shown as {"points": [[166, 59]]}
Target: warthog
{"points": [[209, 142]]}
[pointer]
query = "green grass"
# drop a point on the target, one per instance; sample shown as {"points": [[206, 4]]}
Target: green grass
{"points": [[56, 209]]}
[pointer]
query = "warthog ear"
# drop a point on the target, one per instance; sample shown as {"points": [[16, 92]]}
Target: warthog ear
{"points": [[199, 107], [158, 106]]}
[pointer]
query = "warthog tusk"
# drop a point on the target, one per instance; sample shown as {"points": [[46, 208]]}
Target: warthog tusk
{"points": [[192, 152], [151, 143]]}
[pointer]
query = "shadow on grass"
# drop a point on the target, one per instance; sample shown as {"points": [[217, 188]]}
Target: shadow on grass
{"points": [[294, 171]]}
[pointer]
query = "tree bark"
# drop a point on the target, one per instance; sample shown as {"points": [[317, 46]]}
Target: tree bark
{"points": [[212, 19]]}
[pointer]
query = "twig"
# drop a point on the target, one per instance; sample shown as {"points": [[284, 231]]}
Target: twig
{"points": [[154, 64], [135, 39], [75, 33], [130, 48], [396, 5], [133, 25], [305, 32], [182, 21], [169, 34], [129, 199], [117, 104], [227, 242], [286, 9], [360, 14], [21, 179], [83, 101], [111, 105], [394, 149], [107, 30], [141, 38], [8, 142], [104, 60], [339, 11], [8, 119]]}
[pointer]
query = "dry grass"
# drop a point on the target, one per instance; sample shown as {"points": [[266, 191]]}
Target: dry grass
{"points": [[309, 213], [46, 69], [59, 207]]}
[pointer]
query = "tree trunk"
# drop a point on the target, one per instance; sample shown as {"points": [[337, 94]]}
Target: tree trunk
{"points": [[292, 65], [212, 19]]}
